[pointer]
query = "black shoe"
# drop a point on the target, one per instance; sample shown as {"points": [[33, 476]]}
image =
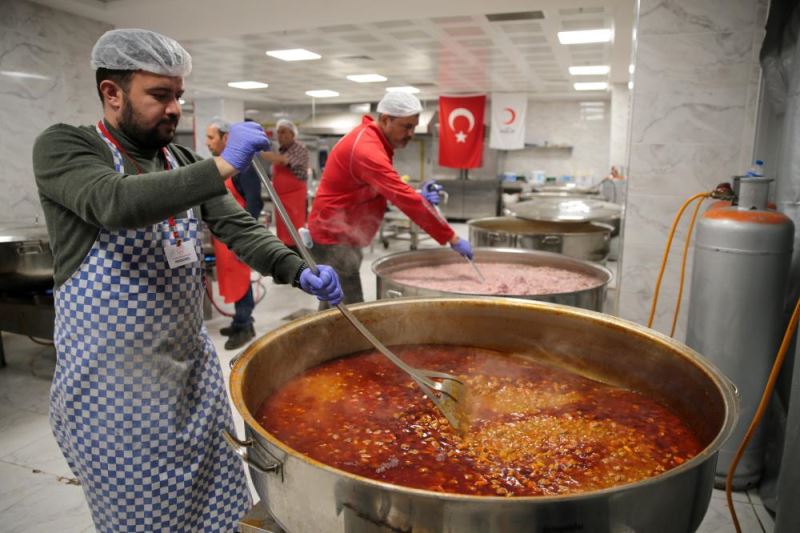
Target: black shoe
{"points": [[227, 331], [240, 337]]}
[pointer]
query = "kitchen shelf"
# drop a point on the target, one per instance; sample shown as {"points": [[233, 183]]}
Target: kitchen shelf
{"points": [[561, 147]]}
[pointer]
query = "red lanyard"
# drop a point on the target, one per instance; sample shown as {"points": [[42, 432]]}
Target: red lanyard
{"points": [[139, 170]]}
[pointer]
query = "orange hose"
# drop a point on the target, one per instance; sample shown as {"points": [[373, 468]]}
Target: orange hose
{"points": [[762, 408], [683, 266], [666, 253]]}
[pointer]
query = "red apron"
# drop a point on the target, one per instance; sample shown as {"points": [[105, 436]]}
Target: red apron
{"points": [[233, 276], [293, 193]]}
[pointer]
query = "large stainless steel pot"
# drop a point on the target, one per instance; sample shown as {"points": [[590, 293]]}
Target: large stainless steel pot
{"points": [[553, 198], [592, 298], [582, 240], [25, 257], [307, 496]]}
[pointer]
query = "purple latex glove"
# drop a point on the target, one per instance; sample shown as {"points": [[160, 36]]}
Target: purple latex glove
{"points": [[430, 191], [245, 140], [463, 247], [325, 286]]}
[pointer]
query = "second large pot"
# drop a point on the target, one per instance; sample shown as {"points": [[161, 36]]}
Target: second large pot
{"points": [[588, 241], [592, 298], [25, 258]]}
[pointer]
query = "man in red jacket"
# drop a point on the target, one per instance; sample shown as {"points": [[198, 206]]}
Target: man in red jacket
{"points": [[358, 180]]}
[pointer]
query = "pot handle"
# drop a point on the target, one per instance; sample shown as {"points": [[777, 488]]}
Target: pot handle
{"points": [[551, 239], [29, 248], [392, 293], [235, 358], [242, 449]]}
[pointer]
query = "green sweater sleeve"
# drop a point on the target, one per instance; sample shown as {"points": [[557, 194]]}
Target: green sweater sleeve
{"points": [[250, 240], [74, 169]]}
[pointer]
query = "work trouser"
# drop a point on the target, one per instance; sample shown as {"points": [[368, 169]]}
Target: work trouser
{"points": [[346, 260]]}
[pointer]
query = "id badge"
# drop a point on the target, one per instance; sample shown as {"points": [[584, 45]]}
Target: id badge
{"points": [[180, 255]]}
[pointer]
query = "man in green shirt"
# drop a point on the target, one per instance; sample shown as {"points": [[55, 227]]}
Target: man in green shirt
{"points": [[138, 404]]}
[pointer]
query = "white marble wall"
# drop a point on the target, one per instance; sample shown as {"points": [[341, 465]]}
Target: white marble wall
{"points": [[620, 123], [584, 125], [694, 104], [51, 49]]}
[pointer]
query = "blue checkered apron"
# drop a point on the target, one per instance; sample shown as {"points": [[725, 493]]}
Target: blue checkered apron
{"points": [[138, 400]]}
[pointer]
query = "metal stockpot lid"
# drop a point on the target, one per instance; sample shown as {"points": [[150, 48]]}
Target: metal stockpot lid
{"points": [[570, 209], [23, 234]]}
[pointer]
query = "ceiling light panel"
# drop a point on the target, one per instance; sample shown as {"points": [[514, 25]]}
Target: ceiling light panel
{"points": [[591, 86], [293, 54], [248, 85], [322, 93], [585, 36], [403, 89], [589, 70], [366, 78]]}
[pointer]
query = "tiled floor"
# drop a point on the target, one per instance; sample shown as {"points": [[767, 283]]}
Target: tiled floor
{"points": [[37, 491]]}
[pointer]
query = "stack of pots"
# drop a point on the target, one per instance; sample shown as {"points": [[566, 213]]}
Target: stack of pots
{"points": [[578, 226]]}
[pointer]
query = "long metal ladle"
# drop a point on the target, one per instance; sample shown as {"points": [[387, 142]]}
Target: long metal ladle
{"points": [[447, 394]]}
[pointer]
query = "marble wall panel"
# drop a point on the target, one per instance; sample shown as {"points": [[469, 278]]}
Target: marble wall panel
{"points": [[49, 52], [687, 115], [691, 16], [619, 127], [699, 60], [695, 104], [670, 169]]}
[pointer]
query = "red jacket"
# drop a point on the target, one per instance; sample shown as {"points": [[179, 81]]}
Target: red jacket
{"points": [[357, 182]]}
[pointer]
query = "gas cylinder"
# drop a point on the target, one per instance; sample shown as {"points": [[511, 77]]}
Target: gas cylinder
{"points": [[742, 255]]}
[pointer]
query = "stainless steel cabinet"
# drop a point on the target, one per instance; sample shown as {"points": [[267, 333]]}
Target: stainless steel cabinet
{"points": [[468, 199]]}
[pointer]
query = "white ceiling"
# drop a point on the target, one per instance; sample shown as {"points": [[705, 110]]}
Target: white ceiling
{"points": [[441, 47]]}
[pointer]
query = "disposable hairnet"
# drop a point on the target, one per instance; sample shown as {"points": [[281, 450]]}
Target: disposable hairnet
{"points": [[283, 123], [399, 104], [222, 125], [135, 49]]}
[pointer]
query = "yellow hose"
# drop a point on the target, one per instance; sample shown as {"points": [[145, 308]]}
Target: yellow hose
{"points": [[762, 407], [666, 253], [683, 266]]}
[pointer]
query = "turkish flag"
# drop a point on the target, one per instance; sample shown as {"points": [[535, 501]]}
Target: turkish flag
{"points": [[461, 131]]}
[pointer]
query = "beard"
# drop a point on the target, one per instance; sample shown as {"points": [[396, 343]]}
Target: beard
{"points": [[152, 137]]}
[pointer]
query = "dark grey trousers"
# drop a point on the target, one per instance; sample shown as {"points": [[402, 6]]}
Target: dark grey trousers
{"points": [[346, 260]]}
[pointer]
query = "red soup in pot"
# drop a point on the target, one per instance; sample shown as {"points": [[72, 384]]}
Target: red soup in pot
{"points": [[532, 429]]}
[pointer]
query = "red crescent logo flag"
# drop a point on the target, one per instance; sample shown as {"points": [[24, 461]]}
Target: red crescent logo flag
{"points": [[507, 122], [461, 131]]}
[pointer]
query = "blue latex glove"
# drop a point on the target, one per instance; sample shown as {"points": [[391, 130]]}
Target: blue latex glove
{"points": [[245, 140], [430, 191], [463, 247], [325, 286]]}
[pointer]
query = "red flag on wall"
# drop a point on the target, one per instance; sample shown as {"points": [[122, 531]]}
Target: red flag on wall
{"points": [[461, 131]]}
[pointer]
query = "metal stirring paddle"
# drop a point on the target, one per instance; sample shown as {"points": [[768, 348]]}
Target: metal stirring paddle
{"points": [[475, 267], [447, 394]]}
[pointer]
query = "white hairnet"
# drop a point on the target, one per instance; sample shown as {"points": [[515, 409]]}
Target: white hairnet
{"points": [[284, 123], [222, 125], [399, 104], [135, 49]]}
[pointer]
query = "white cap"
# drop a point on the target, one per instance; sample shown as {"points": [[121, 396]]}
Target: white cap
{"points": [[399, 104], [284, 123], [135, 49], [222, 125]]}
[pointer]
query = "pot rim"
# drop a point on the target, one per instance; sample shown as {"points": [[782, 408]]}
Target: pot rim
{"points": [[607, 275], [608, 228], [725, 387]]}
